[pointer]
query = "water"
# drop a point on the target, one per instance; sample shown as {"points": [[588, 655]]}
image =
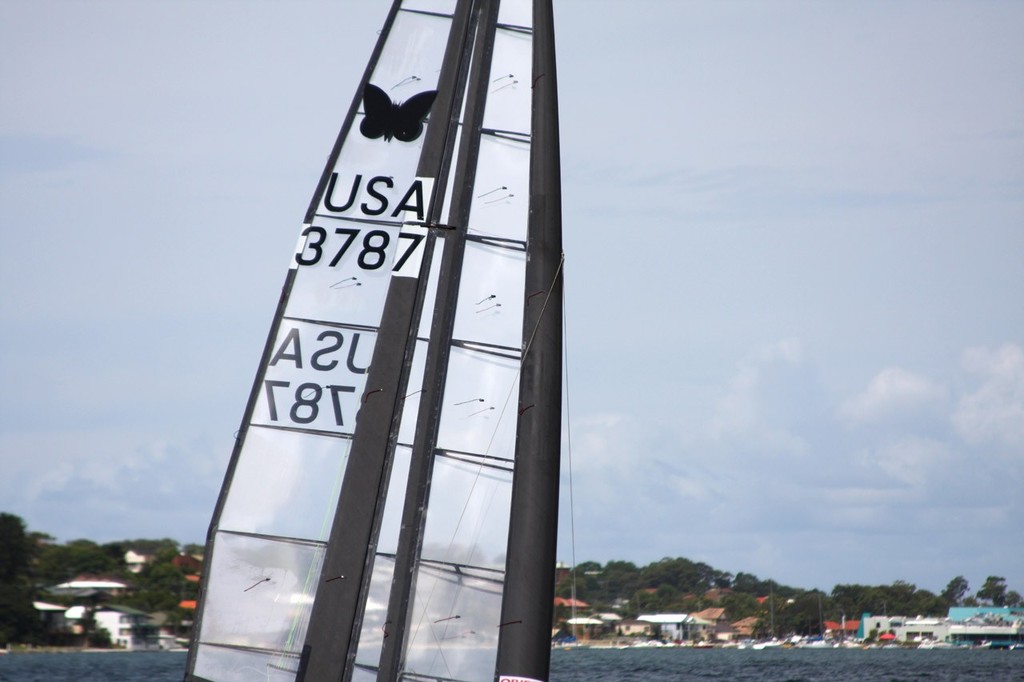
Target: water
{"points": [[588, 665], [785, 665], [93, 667]]}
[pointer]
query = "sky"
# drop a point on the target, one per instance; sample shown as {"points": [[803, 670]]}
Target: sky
{"points": [[794, 237]]}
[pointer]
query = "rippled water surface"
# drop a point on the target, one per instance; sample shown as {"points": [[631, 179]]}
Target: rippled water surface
{"points": [[580, 665], [891, 665]]}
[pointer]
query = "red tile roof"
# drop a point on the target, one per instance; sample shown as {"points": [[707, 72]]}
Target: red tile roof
{"points": [[851, 625], [562, 601]]}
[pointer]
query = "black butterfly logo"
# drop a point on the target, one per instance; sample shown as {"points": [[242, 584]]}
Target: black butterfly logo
{"points": [[387, 119]]}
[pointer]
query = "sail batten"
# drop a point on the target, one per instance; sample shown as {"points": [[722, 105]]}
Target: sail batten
{"points": [[372, 521]]}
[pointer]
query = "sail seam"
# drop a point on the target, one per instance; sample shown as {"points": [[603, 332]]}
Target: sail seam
{"points": [[252, 649], [299, 429], [427, 13], [331, 323], [498, 242], [515, 28], [489, 465], [275, 538], [361, 221], [496, 351], [459, 453], [439, 563]]}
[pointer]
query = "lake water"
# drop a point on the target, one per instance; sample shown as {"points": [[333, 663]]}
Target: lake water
{"points": [[587, 665], [786, 665]]}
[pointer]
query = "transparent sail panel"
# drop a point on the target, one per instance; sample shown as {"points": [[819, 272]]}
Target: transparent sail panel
{"points": [[259, 592], [467, 524], [501, 201], [437, 6], [480, 408], [233, 665], [315, 379], [411, 405], [516, 13], [455, 624], [364, 675], [411, 60], [391, 522], [509, 98], [374, 630], [490, 301], [286, 484], [451, 191], [426, 319]]}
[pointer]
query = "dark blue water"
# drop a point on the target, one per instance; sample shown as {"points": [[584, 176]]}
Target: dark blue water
{"points": [[587, 665], [93, 667], [786, 665]]}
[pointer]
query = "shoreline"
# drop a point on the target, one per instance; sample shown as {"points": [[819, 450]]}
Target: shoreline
{"points": [[18, 650]]}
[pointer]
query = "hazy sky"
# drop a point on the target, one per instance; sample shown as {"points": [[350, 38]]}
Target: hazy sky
{"points": [[794, 235]]}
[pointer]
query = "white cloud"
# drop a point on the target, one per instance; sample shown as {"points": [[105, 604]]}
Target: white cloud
{"points": [[108, 484], [912, 460], [757, 407], [994, 412], [893, 392]]}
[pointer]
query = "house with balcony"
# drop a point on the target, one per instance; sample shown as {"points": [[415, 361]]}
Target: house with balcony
{"points": [[719, 629], [128, 628], [676, 627]]}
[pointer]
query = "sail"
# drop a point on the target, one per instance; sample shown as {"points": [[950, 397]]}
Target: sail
{"points": [[389, 508]]}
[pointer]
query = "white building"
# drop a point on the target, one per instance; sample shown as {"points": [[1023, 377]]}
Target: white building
{"points": [[128, 628], [678, 627], [136, 561], [923, 629]]}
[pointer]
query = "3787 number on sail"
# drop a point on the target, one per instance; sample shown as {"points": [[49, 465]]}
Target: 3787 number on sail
{"points": [[371, 252]]}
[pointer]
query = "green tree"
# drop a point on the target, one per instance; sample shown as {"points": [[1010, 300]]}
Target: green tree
{"points": [[993, 591], [749, 583], [15, 548], [740, 605], [59, 563], [18, 619], [621, 579], [160, 586], [955, 591], [683, 574], [854, 600], [927, 603]]}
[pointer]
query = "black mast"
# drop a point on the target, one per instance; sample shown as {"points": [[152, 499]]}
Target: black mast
{"points": [[524, 645]]}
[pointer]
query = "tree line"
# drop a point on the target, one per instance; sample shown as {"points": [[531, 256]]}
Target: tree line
{"points": [[31, 562], [679, 585]]}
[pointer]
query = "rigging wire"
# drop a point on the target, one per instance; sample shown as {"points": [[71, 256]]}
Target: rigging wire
{"points": [[568, 452]]}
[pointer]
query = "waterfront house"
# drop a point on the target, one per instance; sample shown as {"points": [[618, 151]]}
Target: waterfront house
{"points": [[128, 628]]}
